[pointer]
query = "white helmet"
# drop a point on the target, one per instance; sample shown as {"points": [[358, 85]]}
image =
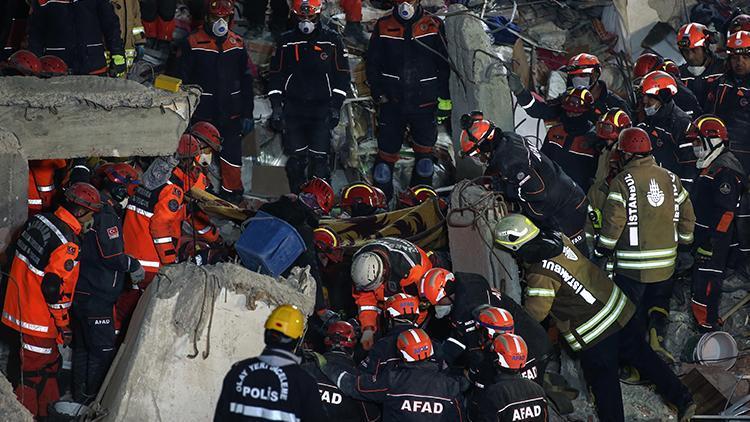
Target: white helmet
{"points": [[367, 271]]}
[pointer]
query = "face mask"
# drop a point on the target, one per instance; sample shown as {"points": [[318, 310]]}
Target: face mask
{"points": [[650, 110], [700, 153], [406, 11], [696, 70], [220, 27], [205, 159], [306, 27], [577, 81], [441, 311]]}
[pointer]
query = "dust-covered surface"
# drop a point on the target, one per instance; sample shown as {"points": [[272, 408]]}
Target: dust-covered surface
{"points": [[14, 178], [191, 325], [11, 410]]}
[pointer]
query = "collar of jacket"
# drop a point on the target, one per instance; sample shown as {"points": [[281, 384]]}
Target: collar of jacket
{"points": [[69, 219], [279, 357], [503, 376], [640, 162], [430, 364]]}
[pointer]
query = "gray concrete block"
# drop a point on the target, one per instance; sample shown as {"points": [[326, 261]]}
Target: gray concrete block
{"points": [[14, 177]]}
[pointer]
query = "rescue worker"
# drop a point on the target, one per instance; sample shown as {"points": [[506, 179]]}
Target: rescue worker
{"points": [[42, 183], [414, 391], [308, 82], [408, 77], [131, 28], [22, 63], [116, 181], [78, 32], [511, 397], [42, 280], [728, 96], [527, 176], [354, 32], [334, 271], [103, 265], [272, 386], [583, 70], [647, 227], [340, 340], [12, 27], [572, 143], [401, 314], [215, 58], [361, 199], [685, 99], [717, 193], [595, 317], [666, 124], [701, 64], [157, 17], [380, 269], [254, 12]]}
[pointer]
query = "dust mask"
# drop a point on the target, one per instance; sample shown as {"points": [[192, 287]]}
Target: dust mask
{"points": [[406, 11], [205, 159], [584, 81], [696, 70], [650, 110], [306, 27], [220, 27], [441, 311]]}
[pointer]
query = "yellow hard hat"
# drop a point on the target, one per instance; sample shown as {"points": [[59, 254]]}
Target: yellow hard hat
{"points": [[288, 320], [514, 231]]}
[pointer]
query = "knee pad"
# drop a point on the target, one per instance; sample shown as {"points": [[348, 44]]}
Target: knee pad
{"points": [[382, 173], [424, 167]]}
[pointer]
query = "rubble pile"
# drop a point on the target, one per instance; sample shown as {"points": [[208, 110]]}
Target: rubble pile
{"points": [[10, 408]]}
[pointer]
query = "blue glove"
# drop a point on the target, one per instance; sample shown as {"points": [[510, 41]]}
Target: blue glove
{"points": [[248, 124]]}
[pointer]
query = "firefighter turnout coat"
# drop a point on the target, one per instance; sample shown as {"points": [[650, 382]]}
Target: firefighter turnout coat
{"points": [[586, 305], [646, 215]]}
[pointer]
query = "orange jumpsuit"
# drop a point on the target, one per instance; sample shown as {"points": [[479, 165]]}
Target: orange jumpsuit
{"points": [[42, 187]]}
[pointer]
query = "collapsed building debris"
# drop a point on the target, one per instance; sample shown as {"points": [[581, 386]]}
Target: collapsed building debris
{"points": [[10, 408]]}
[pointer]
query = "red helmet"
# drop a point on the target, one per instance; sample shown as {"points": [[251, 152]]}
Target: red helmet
{"points": [[319, 190], [578, 100], [307, 8], [739, 23], [25, 62], [693, 35], [84, 195], [739, 43], [511, 351], [671, 67], [189, 146], [647, 63], [120, 173], [415, 195], [583, 64], [53, 66], [362, 193], [326, 241], [221, 8], [477, 133], [415, 345], [433, 283], [207, 134], [659, 84], [495, 321], [611, 123], [634, 140], [341, 335], [402, 304], [707, 126]]}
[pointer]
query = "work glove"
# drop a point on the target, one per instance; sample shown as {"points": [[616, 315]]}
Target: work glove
{"points": [[515, 84], [684, 262], [276, 124], [117, 66], [248, 124], [368, 338], [138, 275], [334, 115], [444, 109]]}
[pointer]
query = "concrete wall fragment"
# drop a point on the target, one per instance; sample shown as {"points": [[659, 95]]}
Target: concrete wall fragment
{"points": [[191, 325], [11, 410], [14, 177]]}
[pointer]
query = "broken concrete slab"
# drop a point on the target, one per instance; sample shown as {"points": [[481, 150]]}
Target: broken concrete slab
{"points": [[11, 409], [14, 171], [190, 326], [83, 116]]}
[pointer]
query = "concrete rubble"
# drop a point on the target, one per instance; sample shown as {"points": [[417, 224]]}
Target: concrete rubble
{"points": [[11, 409], [190, 326]]}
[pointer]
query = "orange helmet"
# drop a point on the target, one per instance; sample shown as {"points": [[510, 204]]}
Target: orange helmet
{"points": [[402, 304], [415, 195], [511, 351], [693, 35], [739, 43], [495, 321], [478, 134], [326, 241], [659, 84], [578, 100], [84, 195], [207, 134], [583, 64], [361, 194], [739, 23], [647, 63], [432, 286], [307, 8], [707, 126], [189, 146], [671, 67], [611, 123], [53, 66], [340, 335], [221, 8], [317, 194], [634, 140], [415, 345], [120, 173], [25, 62]]}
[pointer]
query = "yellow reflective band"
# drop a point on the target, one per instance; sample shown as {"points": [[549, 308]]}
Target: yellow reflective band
{"points": [[588, 325], [588, 338], [645, 265], [704, 252], [682, 196], [619, 114], [616, 197], [607, 241], [540, 292], [655, 253], [572, 342], [686, 237]]}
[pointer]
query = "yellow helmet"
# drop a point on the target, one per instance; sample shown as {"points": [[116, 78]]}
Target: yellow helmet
{"points": [[514, 231], [288, 320]]}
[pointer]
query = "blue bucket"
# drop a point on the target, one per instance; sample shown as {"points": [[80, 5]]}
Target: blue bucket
{"points": [[269, 245]]}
